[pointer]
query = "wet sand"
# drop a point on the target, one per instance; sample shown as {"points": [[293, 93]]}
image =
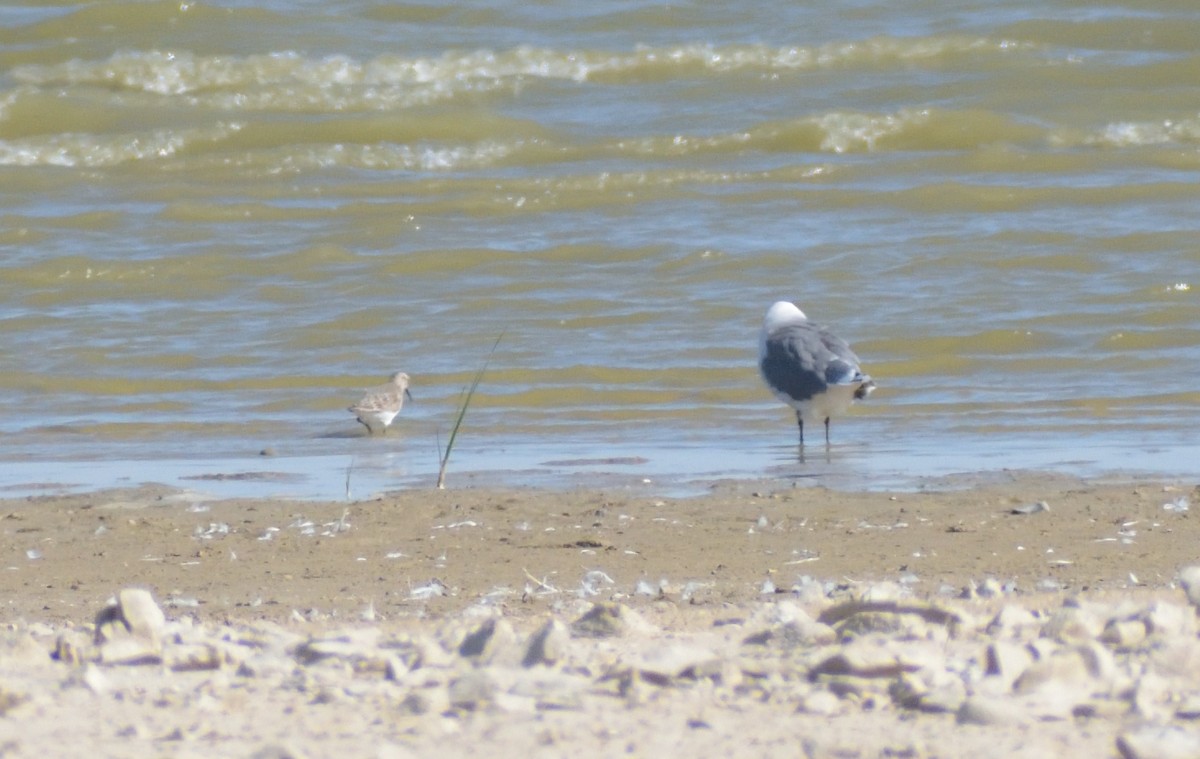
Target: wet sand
{"points": [[699, 573]]}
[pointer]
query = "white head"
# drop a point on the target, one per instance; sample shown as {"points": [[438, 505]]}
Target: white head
{"points": [[780, 314], [400, 380]]}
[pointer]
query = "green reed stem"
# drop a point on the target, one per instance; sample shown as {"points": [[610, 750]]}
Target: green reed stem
{"points": [[462, 412]]}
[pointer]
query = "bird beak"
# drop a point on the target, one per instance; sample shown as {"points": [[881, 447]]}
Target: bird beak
{"points": [[408, 394]]}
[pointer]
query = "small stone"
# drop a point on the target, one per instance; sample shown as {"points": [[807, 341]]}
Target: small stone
{"points": [[881, 592], [548, 645], [664, 664], [821, 702], [94, 679], [132, 619], [10, 698], [989, 588], [353, 647], [277, 751], [130, 651], [193, 658], [1189, 579], [931, 691], [933, 614], [1159, 742], [1031, 508], [550, 689], [981, 710], [1086, 664], [1124, 634], [141, 614], [868, 659], [493, 642], [609, 620], [1168, 619], [1012, 621], [472, 691], [1073, 624], [1007, 660], [788, 626], [74, 647]]}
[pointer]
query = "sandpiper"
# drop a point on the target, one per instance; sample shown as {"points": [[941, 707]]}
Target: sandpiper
{"points": [[808, 367], [379, 405]]}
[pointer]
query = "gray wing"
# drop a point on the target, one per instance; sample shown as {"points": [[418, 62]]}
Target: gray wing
{"points": [[803, 360]]}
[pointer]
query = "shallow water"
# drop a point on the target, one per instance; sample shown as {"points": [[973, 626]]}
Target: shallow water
{"points": [[219, 221]]}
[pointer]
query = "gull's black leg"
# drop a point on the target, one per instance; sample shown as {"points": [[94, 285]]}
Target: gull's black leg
{"points": [[826, 432], [800, 424]]}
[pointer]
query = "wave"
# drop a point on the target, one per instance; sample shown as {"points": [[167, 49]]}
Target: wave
{"points": [[1126, 134], [233, 79], [96, 151]]}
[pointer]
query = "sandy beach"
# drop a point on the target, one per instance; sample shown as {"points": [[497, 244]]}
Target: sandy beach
{"points": [[1014, 614]]}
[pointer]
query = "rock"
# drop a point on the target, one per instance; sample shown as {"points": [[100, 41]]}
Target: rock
{"points": [[989, 588], [821, 702], [788, 626], [1073, 624], [1030, 508], [129, 630], [868, 659], [133, 613], [867, 623], [882, 592], [1124, 634], [472, 691], [1168, 619], [933, 614], [981, 710], [10, 698], [193, 658], [548, 645], [609, 620], [142, 616], [1153, 697], [1159, 742], [21, 648], [1189, 579], [1085, 665], [74, 647], [493, 642], [130, 651], [550, 689], [663, 664], [356, 649], [930, 690], [1007, 660], [277, 751], [1012, 621]]}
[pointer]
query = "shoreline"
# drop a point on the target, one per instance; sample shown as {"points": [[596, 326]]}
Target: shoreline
{"points": [[759, 617], [728, 542]]}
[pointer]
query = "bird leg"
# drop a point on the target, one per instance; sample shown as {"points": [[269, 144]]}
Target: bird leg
{"points": [[800, 423], [826, 432]]}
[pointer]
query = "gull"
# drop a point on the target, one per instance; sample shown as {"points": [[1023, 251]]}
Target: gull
{"points": [[808, 367], [379, 405]]}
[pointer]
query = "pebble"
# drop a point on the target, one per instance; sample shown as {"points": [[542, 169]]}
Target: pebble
{"points": [[493, 642], [610, 620], [1189, 579], [1159, 742], [548, 645], [983, 710], [1132, 667]]}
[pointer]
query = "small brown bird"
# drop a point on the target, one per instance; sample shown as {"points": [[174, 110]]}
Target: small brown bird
{"points": [[380, 405]]}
